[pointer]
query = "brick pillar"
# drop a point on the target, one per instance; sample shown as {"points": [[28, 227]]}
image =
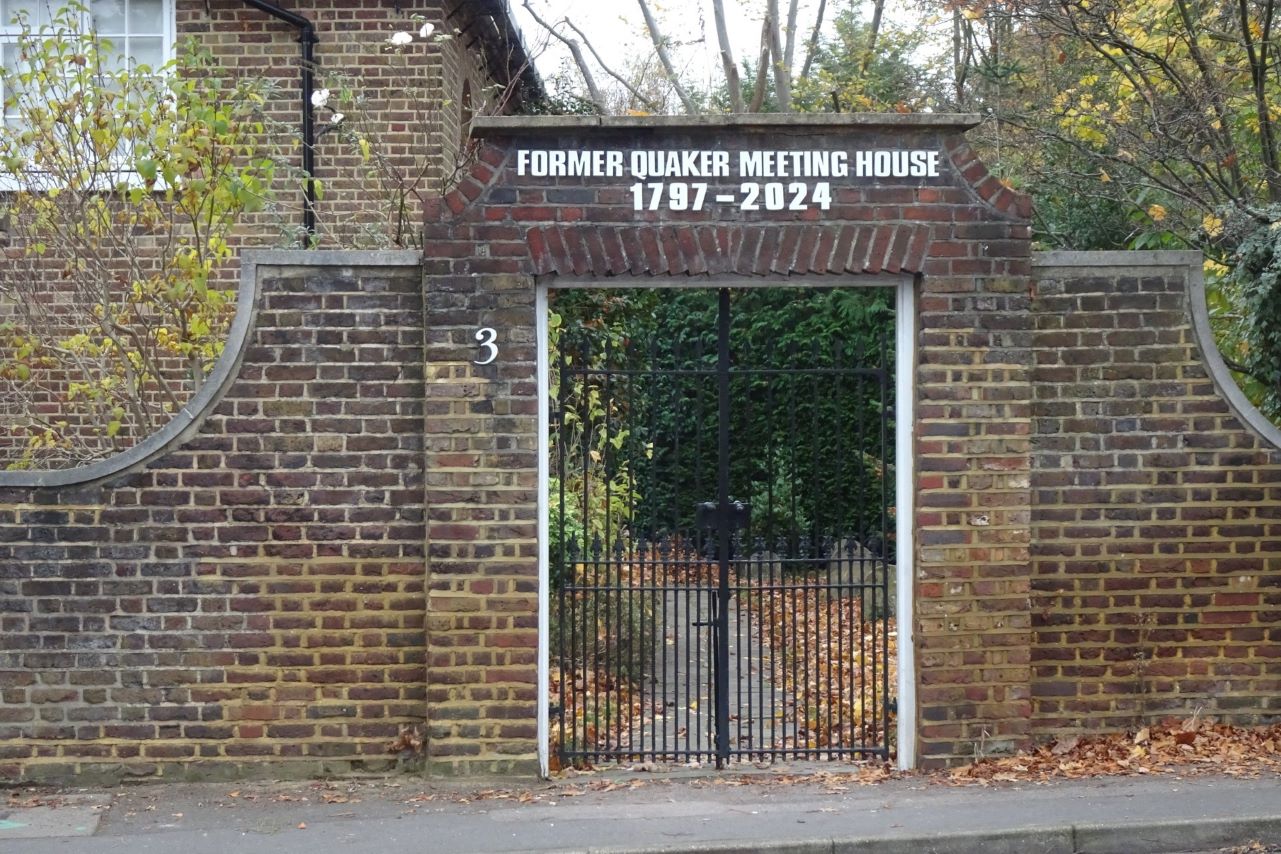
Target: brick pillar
{"points": [[481, 495], [973, 483]]}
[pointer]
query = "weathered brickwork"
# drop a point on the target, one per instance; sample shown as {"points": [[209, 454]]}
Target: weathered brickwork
{"points": [[1157, 556], [964, 234], [346, 552], [407, 103], [482, 498], [256, 593]]}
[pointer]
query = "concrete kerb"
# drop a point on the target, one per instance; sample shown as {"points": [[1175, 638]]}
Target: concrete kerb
{"points": [[1113, 838], [1032, 841]]}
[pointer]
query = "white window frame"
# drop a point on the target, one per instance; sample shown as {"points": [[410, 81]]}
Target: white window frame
{"points": [[168, 33], [10, 34]]}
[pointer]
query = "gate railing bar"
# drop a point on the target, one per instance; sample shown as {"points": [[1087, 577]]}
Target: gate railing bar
{"points": [[563, 567], [844, 552], [721, 636], [885, 554], [859, 713], [613, 672]]}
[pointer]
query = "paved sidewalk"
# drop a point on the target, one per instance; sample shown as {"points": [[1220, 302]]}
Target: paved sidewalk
{"points": [[651, 813]]}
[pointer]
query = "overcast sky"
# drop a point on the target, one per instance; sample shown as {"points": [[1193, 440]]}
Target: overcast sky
{"points": [[617, 29]]}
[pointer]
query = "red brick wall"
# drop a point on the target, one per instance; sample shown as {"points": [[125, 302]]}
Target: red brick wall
{"points": [[412, 101], [1156, 525], [348, 548], [257, 592], [963, 233], [411, 116]]}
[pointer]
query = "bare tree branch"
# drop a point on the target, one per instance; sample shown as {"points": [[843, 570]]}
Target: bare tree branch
{"points": [[782, 73], [593, 91], [645, 101], [813, 43], [660, 48]]}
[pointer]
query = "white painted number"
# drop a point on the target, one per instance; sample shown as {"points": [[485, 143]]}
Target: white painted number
{"points": [[486, 337], [682, 196], [797, 190], [773, 197], [677, 196], [823, 195]]}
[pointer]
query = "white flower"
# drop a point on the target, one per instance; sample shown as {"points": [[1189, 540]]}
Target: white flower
{"points": [[400, 39], [426, 30], [336, 119], [320, 97]]}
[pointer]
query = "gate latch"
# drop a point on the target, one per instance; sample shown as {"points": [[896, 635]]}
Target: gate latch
{"points": [[707, 516]]}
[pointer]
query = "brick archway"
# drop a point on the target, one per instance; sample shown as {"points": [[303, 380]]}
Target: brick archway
{"points": [[961, 232]]}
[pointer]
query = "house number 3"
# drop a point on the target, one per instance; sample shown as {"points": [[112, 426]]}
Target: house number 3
{"points": [[485, 337]]}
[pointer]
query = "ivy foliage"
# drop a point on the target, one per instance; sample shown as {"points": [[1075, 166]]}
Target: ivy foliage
{"points": [[1248, 303]]}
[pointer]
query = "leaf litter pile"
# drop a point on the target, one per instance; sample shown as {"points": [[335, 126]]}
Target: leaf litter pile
{"points": [[835, 700], [1191, 746], [830, 669], [833, 665]]}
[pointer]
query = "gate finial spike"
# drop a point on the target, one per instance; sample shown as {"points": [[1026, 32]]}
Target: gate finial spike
{"points": [[597, 547]]}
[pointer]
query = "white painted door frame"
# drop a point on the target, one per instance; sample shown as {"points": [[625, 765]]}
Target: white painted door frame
{"points": [[904, 491]]}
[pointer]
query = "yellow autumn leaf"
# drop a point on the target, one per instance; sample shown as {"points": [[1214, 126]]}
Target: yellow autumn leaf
{"points": [[1157, 212], [1212, 225]]}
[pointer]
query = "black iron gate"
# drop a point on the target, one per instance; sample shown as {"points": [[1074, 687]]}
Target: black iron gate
{"points": [[721, 524]]}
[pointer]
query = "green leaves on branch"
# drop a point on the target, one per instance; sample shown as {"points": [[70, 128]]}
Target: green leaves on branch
{"points": [[127, 183], [1245, 306]]}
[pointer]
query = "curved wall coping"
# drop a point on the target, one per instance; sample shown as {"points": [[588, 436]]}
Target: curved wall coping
{"points": [[1192, 262], [225, 371]]}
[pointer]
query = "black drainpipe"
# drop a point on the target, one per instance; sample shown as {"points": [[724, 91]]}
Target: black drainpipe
{"points": [[307, 38]]}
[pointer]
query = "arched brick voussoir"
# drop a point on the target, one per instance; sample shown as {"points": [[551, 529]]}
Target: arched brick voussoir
{"points": [[742, 249], [470, 187], [987, 186]]}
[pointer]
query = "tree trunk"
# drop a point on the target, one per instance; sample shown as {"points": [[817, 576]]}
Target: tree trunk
{"points": [[660, 48], [789, 52], [762, 68], [873, 33], [732, 82], [782, 73], [593, 91], [813, 44]]}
